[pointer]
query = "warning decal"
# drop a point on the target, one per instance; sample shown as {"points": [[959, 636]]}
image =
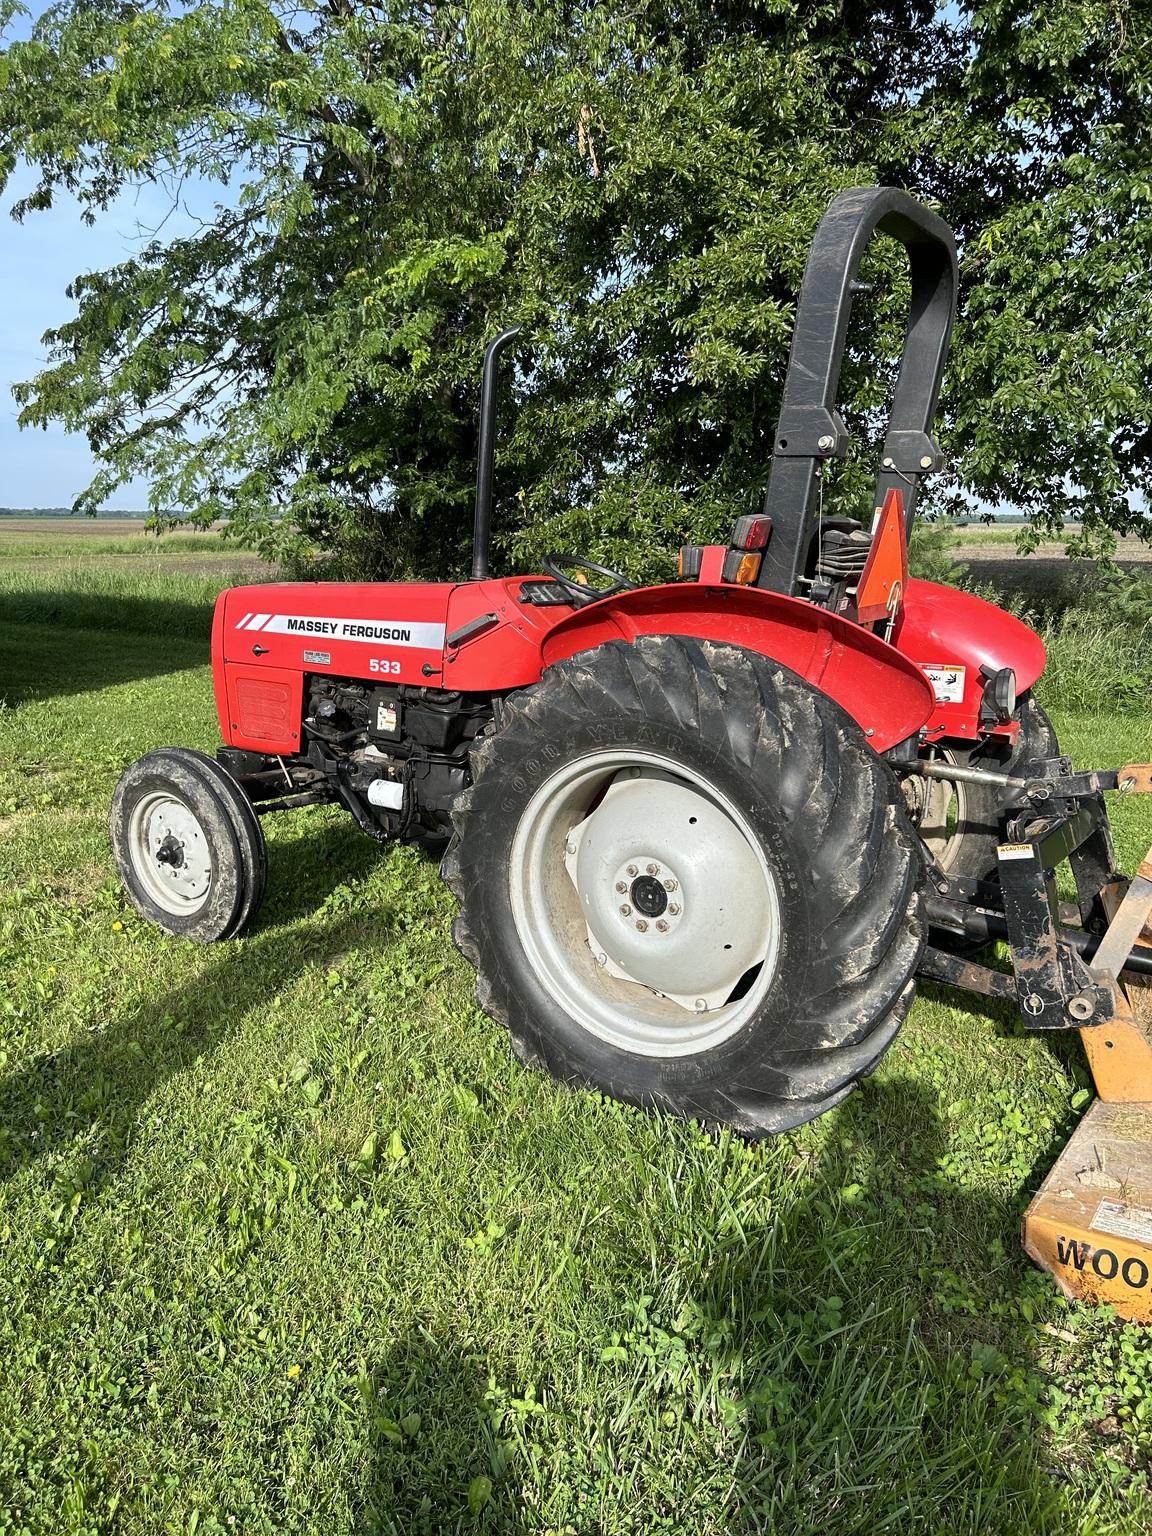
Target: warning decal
{"points": [[947, 682]]}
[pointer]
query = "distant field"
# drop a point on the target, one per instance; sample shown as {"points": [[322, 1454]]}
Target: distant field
{"points": [[978, 543], [109, 544], [1045, 576]]}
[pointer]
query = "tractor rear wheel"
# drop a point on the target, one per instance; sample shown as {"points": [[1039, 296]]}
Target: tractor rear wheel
{"points": [[686, 880], [188, 845]]}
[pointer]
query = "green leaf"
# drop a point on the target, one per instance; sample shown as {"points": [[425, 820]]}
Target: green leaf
{"points": [[479, 1492]]}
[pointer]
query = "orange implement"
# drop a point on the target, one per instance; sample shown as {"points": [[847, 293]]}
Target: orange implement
{"points": [[1090, 1224]]}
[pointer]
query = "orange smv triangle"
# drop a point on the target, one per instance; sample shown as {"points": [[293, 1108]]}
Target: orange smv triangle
{"points": [[885, 575]]}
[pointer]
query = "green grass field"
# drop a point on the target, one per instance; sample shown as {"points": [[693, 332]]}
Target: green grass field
{"points": [[291, 1244]]}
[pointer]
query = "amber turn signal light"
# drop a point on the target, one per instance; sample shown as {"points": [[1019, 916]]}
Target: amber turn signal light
{"points": [[740, 567]]}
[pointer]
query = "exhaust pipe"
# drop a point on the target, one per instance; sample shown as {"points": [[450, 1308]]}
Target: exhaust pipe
{"points": [[482, 517]]}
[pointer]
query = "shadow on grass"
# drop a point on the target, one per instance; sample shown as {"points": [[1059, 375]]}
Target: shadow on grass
{"points": [[435, 1462], [866, 1383], [157, 618], [45, 661], [92, 1091], [306, 868], [1063, 1045], [102, 1080]]}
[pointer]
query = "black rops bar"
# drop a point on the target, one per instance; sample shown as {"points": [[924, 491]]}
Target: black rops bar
{"points": [[811, 429], [482, 517]]}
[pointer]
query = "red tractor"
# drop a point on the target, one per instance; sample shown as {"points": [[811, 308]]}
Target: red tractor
{"points": [[704, 835]]}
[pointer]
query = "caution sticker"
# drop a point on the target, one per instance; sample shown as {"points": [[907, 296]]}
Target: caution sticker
{"points": [[1133, 1221], [1015, 851], [947, 682]]}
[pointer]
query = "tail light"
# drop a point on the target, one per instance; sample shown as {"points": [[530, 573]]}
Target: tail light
{"points": [[751, 532]]}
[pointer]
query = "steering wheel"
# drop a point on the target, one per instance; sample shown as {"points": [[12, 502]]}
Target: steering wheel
{"points": [[583, 593]]}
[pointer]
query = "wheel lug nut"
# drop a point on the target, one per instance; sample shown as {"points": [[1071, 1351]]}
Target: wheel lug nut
{"points": [[653, 869], [673, 909], [621, 886], [701, 1005], [642, 926], [661, 926], [632, 870], [570, 847], [669, 885], [625, 910]]}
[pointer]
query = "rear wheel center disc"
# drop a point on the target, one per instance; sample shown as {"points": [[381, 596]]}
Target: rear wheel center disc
{"points": [[645, 902]]}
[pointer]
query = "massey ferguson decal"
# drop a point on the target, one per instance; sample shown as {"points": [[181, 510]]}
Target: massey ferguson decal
{"points": [[422, 637]]}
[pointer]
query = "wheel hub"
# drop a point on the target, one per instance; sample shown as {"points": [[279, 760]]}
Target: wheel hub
{"points": [[672, 983], [171, 853], [649, 896], [672, 893]]}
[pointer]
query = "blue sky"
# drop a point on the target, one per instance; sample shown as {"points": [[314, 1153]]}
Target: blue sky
{"points": [[38, 259]]}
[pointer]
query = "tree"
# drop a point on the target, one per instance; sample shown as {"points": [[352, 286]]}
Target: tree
{"points": [[637, 185]]}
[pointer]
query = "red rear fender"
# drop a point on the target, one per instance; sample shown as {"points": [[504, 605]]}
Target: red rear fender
{"points": [[952, 635], [885, 693]]}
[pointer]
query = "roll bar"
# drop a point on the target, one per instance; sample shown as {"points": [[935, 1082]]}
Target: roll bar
{"points": [[482, 516], [810, 428]]}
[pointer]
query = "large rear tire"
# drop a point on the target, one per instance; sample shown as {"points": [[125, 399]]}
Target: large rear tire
{"points": [[685, 879], [188, 845]]}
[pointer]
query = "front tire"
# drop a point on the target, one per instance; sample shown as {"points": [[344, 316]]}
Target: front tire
{"points": [[188, 845], [676, 772]]}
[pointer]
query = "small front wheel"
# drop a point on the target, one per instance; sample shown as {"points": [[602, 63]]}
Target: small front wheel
{"points": [[188, 844]]}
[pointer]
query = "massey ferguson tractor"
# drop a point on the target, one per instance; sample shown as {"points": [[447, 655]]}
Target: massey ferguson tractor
{"points": [[707, 835]]}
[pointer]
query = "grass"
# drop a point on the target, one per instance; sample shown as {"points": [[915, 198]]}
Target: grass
{"points": [[292, 1245]]}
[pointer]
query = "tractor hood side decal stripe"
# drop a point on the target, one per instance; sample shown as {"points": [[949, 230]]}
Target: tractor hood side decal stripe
{"points": [[407, 632]]}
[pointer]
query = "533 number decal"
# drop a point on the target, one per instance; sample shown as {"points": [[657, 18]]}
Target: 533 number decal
{"points": [[378, 664]]}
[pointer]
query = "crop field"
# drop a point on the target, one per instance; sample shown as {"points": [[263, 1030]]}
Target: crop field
{"points": [[291, 1243]]}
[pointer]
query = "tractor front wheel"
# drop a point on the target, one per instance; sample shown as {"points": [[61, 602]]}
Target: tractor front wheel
{"points": [[686, 880], [188, 844]]}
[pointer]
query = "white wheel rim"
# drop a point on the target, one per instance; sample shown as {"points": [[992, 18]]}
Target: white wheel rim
{"points": [[649, 980], [170, 854]]}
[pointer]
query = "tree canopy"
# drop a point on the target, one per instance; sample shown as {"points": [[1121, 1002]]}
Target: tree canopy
{"points": [[636, 184]]}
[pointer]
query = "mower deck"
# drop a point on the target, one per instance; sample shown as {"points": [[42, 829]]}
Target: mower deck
{"points": [[1090, 1224]]}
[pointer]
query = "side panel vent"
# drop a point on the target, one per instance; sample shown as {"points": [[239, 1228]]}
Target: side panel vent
{"points": [[264, 705]]}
